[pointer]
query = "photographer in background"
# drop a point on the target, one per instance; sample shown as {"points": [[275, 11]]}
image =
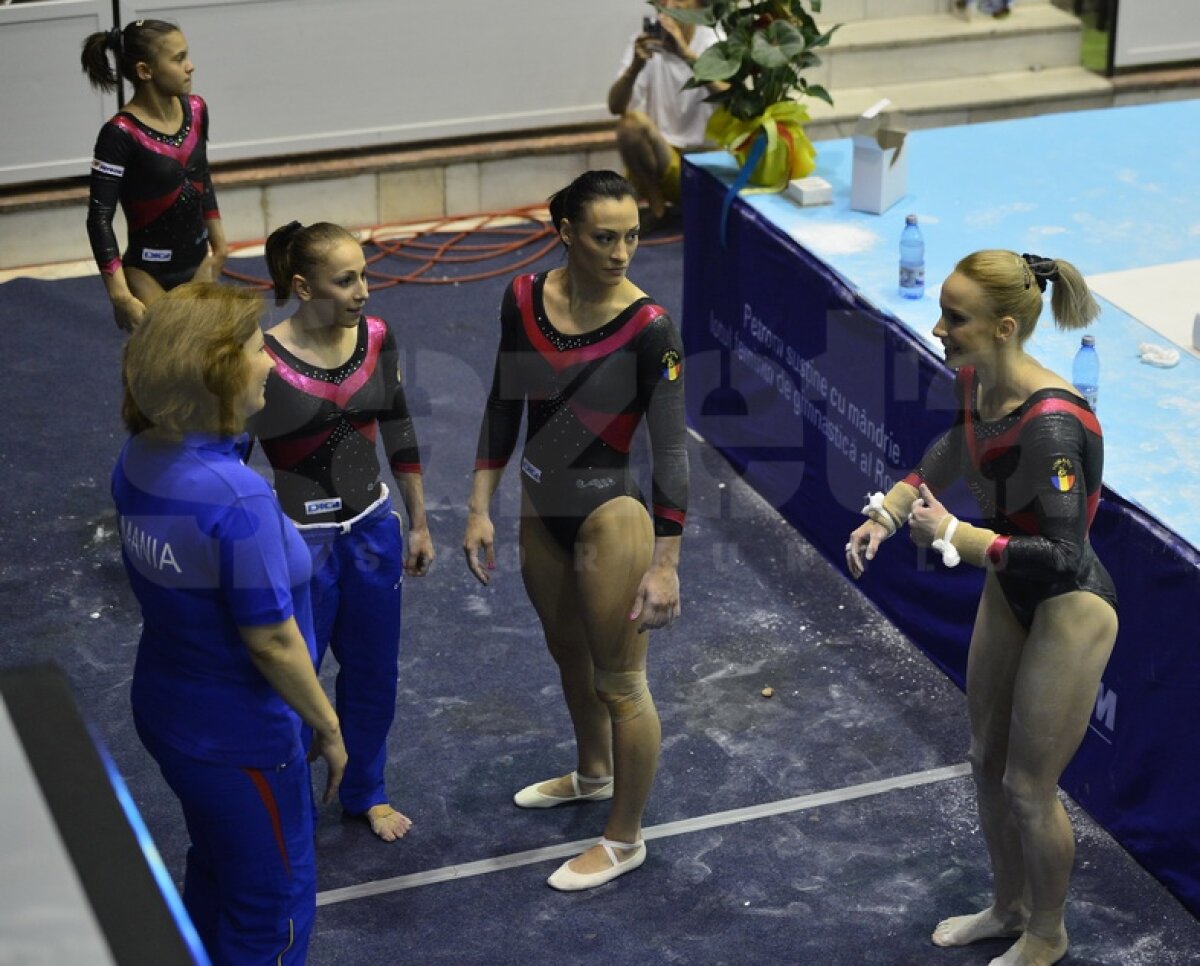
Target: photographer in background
{"points": [[660, 120]]}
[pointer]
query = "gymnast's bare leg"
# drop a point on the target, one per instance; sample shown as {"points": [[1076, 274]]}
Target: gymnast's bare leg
{"points": [[584, 604], [1030, 697], [143, 286]]}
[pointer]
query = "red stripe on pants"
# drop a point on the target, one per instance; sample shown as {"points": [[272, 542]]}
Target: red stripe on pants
{"points": [[268, 799]]}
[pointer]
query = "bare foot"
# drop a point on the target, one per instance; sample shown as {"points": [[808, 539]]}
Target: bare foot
{"points": [[387, 823], [989, 924], [1031, 950], [595, 859]]}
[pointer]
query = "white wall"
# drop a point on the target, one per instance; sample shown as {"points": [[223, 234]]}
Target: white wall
{"points": [[288, 76], [49, 114], [1156, 32]]}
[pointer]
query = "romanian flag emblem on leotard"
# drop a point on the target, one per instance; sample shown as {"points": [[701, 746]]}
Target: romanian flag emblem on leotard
{"points": [[1062, 475], [672, 365]]}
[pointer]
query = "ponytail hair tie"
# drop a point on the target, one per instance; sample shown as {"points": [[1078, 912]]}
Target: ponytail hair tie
{"points": [[113, 40], [1040, 270]]}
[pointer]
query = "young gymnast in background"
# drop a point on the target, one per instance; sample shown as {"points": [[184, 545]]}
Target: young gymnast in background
{"points": [[150, 158]]}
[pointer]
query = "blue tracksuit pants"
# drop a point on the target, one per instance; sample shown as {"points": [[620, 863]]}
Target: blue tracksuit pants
{"points": [[250, 885], [358, 573]]}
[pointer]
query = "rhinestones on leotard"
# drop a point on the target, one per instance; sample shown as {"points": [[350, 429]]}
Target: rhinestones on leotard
{"points": [[561, 341]]}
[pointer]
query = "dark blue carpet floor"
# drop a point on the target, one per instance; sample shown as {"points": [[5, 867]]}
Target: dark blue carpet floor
{"points": [[855, 882]]}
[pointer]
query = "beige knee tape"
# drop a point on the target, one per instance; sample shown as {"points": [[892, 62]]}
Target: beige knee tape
{"points": [[625, 692]]}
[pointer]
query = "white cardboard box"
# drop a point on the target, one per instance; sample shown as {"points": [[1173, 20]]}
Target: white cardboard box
{"points": [[810, 191], [880, 175]]}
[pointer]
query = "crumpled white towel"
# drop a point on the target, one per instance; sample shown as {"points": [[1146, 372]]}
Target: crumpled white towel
{"points": [[1158, 355]]}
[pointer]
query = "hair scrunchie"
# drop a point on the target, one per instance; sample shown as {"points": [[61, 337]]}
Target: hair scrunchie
{"points": [[291, 230], [1040, 270], [114, 40]]}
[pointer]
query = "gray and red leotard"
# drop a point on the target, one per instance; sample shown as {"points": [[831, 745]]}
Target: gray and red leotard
{"points": [[1035, 473], [587, 395], [163, 185]]}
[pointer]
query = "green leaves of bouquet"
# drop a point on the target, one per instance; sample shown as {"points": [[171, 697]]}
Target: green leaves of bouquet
{"points": [[764, 48]]}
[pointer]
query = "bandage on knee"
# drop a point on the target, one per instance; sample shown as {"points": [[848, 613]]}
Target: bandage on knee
{"points": [[626, 693]]}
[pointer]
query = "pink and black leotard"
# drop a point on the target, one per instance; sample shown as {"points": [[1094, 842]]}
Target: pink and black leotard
{"points": [[586, 396], [318, 427], [1035, 473], [163, 185]]}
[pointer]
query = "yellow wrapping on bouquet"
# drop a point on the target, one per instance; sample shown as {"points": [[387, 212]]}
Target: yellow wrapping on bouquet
{"points": [[789, 153]]}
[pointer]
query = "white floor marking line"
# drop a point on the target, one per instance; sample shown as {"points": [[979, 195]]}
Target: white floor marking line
{"points": [[715, 820]]}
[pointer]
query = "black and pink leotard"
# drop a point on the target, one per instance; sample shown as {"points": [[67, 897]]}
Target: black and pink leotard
{"points": [[163, 185], [586, 396], [318, 427]]}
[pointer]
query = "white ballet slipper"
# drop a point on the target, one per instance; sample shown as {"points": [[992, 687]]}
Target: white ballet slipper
{"points": [[530, 797], [567, 880]]}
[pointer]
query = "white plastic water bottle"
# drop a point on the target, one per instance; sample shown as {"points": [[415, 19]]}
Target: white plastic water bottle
{"points": [[912, 260], [1085, 371]]}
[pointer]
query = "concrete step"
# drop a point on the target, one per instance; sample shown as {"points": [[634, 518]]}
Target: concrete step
{"points": [[869, 53], [848, 11], [359, 189], [964, 100]]}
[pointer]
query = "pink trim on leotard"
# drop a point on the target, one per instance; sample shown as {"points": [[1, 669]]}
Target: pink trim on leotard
{"points": [[669, 513], [560, 359], [178, 152], [337, 393]]}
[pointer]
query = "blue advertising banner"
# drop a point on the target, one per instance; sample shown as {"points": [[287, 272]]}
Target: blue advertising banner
{"points": [[817, 398]]}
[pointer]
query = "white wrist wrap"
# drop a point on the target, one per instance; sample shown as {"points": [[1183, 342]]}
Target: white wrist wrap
{"points": [[878, 512], [945, 547]]}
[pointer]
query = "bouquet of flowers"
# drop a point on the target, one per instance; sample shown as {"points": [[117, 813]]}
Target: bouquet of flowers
{"points": [[758, 65]]}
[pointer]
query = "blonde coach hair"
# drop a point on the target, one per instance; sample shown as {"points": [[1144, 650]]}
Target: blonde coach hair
{"points": [[183, 367]]}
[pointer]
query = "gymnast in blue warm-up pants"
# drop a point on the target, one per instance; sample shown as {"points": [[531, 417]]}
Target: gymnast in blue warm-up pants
{"points": [[357, 576], [335, 387]]}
